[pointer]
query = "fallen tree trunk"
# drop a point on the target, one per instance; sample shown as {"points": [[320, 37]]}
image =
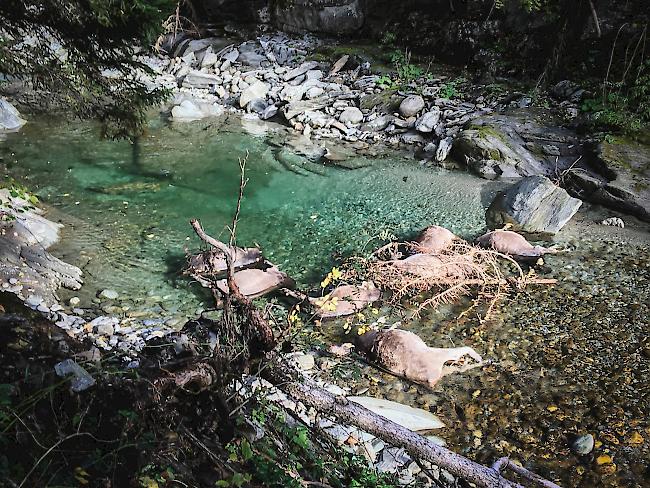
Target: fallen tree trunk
{"points": [[420, 448], [287, 379]]}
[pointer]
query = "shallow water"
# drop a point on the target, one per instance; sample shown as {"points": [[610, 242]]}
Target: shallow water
{"points": [[569, 359], [127, 206]]}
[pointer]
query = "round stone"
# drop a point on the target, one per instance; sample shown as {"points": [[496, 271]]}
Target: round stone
{"points": [[583, 444]]}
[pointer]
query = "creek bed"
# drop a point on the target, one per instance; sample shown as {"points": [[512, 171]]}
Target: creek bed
{"points": [[568, 359]]}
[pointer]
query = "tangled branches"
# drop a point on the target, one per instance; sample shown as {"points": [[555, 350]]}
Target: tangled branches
{"points": [[457, 271]]}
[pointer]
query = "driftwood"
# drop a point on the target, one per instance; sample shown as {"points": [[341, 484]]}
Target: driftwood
{"points": [[286, 378], [419, 447]]}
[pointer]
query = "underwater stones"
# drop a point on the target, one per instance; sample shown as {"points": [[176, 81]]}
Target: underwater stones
{"points": [[108, 294], [583, 444], [10, 119], [411, 105], [258, 89], [511, 243], [534, 204]]}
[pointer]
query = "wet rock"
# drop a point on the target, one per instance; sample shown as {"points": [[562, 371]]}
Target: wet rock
{"points": [[517, 144], [623, 182], [583, 444], [411, 105], [10, 119], [428, 121], [534, 204]]}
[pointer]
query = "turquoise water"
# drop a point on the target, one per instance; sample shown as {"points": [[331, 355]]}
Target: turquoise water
{"points": [[127, 206]]}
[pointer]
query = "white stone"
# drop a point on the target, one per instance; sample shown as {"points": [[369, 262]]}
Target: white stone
{"points": [[351, 115], [258, 89]]}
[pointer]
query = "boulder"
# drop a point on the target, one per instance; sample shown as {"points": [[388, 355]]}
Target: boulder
{"points": [[351, 116], [197, 79], [534, 205], [428, 121], [258, 89], [622, 181], [300, 70], [411, 105], [520, 143], [189, 110], [325, 16], [10, 119]]}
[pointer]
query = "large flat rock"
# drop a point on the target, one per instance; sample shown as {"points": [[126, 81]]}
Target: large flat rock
{"points": [[534, 205]]}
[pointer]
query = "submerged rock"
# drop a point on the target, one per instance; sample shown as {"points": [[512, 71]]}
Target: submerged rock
{"points": [[534, 205], [583, 444]]}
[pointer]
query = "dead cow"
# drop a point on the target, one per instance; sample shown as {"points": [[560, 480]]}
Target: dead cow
{"points": [[405, 354], [434, 239], [509, 242]]}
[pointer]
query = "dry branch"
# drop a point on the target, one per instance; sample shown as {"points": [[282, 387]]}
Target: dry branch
{"points": [[345, 411], [287, 379]]}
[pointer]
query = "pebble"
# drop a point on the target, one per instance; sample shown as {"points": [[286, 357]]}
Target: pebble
{"points": [[583, 444], [74, 301]]}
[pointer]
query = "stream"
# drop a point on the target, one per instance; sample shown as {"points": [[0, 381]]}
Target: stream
{"points": [[126, 208]]}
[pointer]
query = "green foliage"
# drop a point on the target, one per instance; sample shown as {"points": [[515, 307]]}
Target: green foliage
{"points": [[623, 106], [406, 71], [451, 89], [67, 46], [288, 457], [388, 39]]}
